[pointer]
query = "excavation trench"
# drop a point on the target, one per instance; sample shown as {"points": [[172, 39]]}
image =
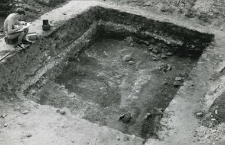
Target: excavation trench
{"points": [[110, 67]]}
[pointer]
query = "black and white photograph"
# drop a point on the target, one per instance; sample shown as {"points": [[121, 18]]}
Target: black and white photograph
{"points": [[112, 72]]}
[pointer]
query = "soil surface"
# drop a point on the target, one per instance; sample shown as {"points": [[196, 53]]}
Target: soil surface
{"points": [[120, 86], [210, 12]]}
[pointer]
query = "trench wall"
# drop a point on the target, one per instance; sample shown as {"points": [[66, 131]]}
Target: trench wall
{"points": [[163, 31], [48, 56]]}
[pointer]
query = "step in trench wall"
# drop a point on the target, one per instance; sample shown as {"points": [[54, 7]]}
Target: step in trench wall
{"points": [[147, 29], [50, 54]]}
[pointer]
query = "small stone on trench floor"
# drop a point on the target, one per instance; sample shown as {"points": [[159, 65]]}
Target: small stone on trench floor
{"points": [[63, 112], [25, 112], [178, 78], [127, 58], [29, 135], [177, 83], [199, 114], [3, 115]]}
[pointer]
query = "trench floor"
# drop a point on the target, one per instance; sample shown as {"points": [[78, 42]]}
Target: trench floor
{"points": [[104, 88]]}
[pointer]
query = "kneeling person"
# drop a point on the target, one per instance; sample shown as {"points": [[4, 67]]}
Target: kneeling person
{"points": [[13, 27]]}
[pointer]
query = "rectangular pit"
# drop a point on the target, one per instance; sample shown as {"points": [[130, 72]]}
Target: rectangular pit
{"points": [[110, 67]]}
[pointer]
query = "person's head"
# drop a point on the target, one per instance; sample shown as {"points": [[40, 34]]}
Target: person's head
{"points": [[20, 13]]}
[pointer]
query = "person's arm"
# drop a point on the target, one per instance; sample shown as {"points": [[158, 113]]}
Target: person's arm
{"points": [[10, 27]]}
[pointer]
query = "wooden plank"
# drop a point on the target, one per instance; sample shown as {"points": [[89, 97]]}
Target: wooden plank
{"points": [[7, 54]]}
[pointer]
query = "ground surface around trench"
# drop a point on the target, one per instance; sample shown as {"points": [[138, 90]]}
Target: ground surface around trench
{"points": [[104, 88]]}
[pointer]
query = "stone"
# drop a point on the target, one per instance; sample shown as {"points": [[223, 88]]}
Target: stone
{"points": [[155, 50], [131, 62], [5, 125], [165, 67], [165, 83], [163, 56], [127, 58], [125, 118], [159, 111], [150, 49], [25, 112], [177, 83], [63, 112], [199, 114], [32, 37], [131, 44], [32, 92], [169, 53], [118, 137], [133, 136], [148, 115], [216, 111], [169, 68], [29, 135], [129, 39], [155, 59], [64, 13], [3, 115], [178, 78]]}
